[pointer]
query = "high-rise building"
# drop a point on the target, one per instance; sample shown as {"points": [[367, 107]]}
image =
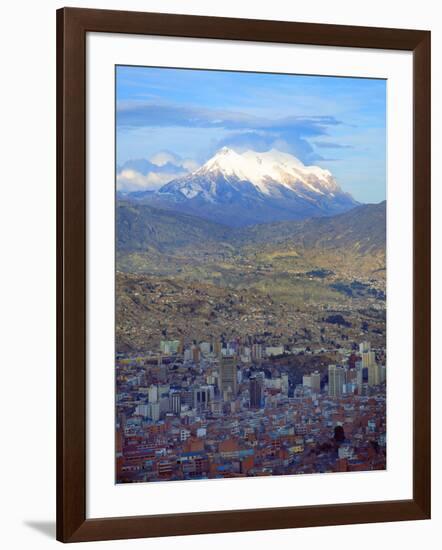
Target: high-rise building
{"points": [[175, 402], [336, 380], [312, 381], [164, 405], [196, 354], [205, 348], [154, 411], [169, 346], [142, 410], [352, 375], [216, 407], [246, 354], [256, 352], [368, 359], [217, 346], [162, 373], [374, 374], [364, 347], [187, 398], [315, 381], [255, 390], [383, 373], [228, 380], [201, 396], [359, 376], [367, 355], [153, 394]]}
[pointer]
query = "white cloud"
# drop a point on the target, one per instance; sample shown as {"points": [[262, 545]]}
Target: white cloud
{"points": [[152, 174], [130, 180], [189, 165], [163, 157]]}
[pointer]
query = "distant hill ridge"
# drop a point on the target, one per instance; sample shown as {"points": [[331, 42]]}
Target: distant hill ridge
{"points": [[141, 227]]}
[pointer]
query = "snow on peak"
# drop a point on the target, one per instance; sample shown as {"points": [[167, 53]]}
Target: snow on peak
{"points": [[225, 151], [264, 170]]}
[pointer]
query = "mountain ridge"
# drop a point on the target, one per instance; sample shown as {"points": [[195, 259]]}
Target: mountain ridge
{"points": [[243, 189], [143, 226]]}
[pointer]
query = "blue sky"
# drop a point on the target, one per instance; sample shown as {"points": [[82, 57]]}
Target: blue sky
{"points": [[336, 123]]}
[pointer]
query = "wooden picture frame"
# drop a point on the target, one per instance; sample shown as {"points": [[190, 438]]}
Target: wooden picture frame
{"points": [[72, 26]]}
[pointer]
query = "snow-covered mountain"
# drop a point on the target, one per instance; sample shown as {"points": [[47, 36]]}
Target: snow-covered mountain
{"points": [[272, 174], [240, 189]]}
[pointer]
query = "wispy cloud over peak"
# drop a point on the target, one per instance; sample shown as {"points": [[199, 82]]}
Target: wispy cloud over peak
{"points": [[135, 114], [243, 130], [331, 145]]}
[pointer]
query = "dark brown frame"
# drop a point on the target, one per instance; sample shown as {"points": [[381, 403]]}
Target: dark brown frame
{"points": [[72, 26]]}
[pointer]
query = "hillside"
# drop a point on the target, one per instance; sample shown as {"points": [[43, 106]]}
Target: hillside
{"points": [[141, 227], [172, 265], [361, 230], [322, 260]]}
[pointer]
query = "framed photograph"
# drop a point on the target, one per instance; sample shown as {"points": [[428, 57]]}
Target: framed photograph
{"points": [[243, 275]]}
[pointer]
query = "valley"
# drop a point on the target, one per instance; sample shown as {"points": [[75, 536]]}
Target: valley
{"points": [[275, 281]]}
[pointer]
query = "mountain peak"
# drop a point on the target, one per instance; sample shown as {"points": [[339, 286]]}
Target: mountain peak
{"points": [[256, 186], [224, 151], [268, 170]]}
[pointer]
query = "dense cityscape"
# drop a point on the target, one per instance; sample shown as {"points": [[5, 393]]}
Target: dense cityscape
{"points": [[250, 274], [215, 409]]}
